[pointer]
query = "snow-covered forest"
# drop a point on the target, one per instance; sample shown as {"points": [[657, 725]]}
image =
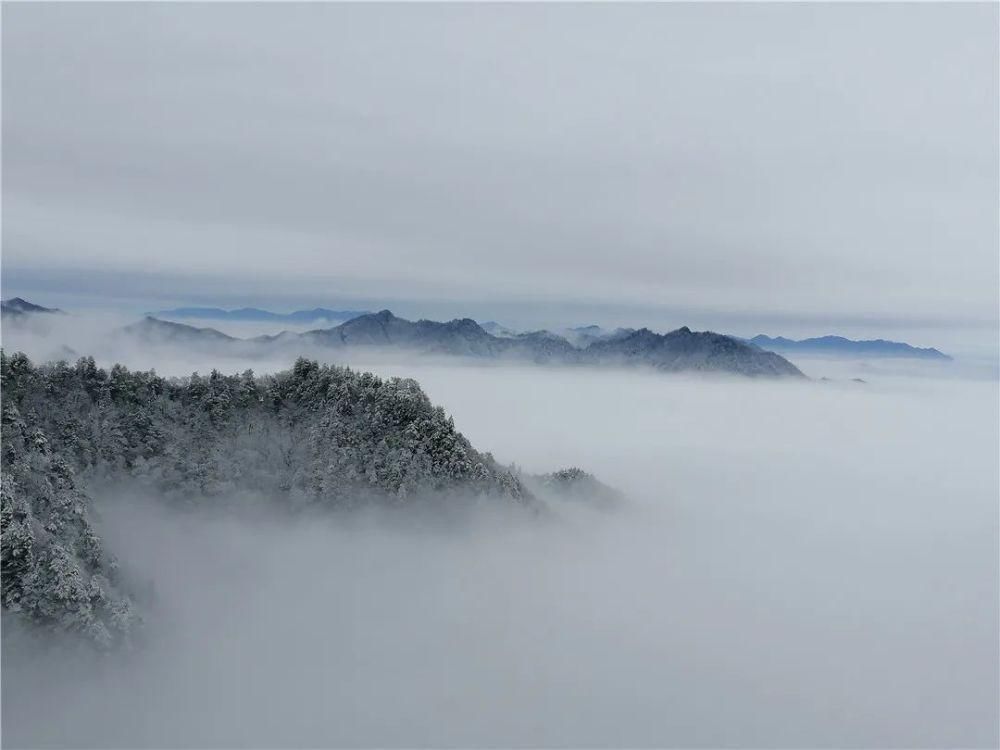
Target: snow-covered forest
{"points": [[311, 436], [479, 375]]}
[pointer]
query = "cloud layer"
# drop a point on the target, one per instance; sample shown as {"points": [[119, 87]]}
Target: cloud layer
{"points": [[754, 160], [799, 565]]}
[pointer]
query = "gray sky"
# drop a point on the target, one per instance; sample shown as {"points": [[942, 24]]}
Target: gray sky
{"points": [[751, 166]]}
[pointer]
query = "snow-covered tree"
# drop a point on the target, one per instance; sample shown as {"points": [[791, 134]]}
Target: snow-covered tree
{"points": [[317, 435]]}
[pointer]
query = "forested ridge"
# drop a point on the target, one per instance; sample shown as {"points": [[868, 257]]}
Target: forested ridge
{"points": [[312, 436]]}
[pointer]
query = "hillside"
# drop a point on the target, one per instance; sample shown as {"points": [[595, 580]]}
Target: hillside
{"points": [[685, 350], [310, 437], [460, 337], [152, 331], [16, 307]]}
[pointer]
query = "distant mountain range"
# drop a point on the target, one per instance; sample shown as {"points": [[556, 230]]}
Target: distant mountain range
{"points": [[678, 351], [16, 307], [839, 346], [258, 315]]}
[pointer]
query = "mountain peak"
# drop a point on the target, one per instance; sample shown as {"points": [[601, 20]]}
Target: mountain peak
{"points": [[466, 324], [21, 306], [684, 349]]}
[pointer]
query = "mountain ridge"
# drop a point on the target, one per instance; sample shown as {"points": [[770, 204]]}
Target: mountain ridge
{"points": [[839, 345], [153, 331], [465, 336], [17, 306], [257, 314], [682, 350]]}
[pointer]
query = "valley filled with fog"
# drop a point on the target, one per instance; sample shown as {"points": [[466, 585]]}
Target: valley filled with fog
{"points": [[484, 375], [796, 563]]}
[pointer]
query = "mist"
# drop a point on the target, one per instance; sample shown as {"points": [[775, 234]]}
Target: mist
{"points": [[243, 329], [792, 162], [96, 333], [318, 558], [796, 564]]}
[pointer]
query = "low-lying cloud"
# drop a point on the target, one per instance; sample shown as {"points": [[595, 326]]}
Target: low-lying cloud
{"points": [[798, 564]]}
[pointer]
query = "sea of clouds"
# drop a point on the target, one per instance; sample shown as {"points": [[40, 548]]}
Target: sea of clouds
{"points": [[797, 564]]}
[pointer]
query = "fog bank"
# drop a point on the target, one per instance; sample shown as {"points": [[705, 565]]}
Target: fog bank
{"points": [[799, 564]]}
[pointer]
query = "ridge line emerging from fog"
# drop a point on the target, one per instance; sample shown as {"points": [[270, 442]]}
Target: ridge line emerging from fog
{"points": [[681, 350]]}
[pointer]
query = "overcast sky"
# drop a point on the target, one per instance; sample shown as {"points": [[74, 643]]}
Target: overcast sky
{"points": [[760, 164]]}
